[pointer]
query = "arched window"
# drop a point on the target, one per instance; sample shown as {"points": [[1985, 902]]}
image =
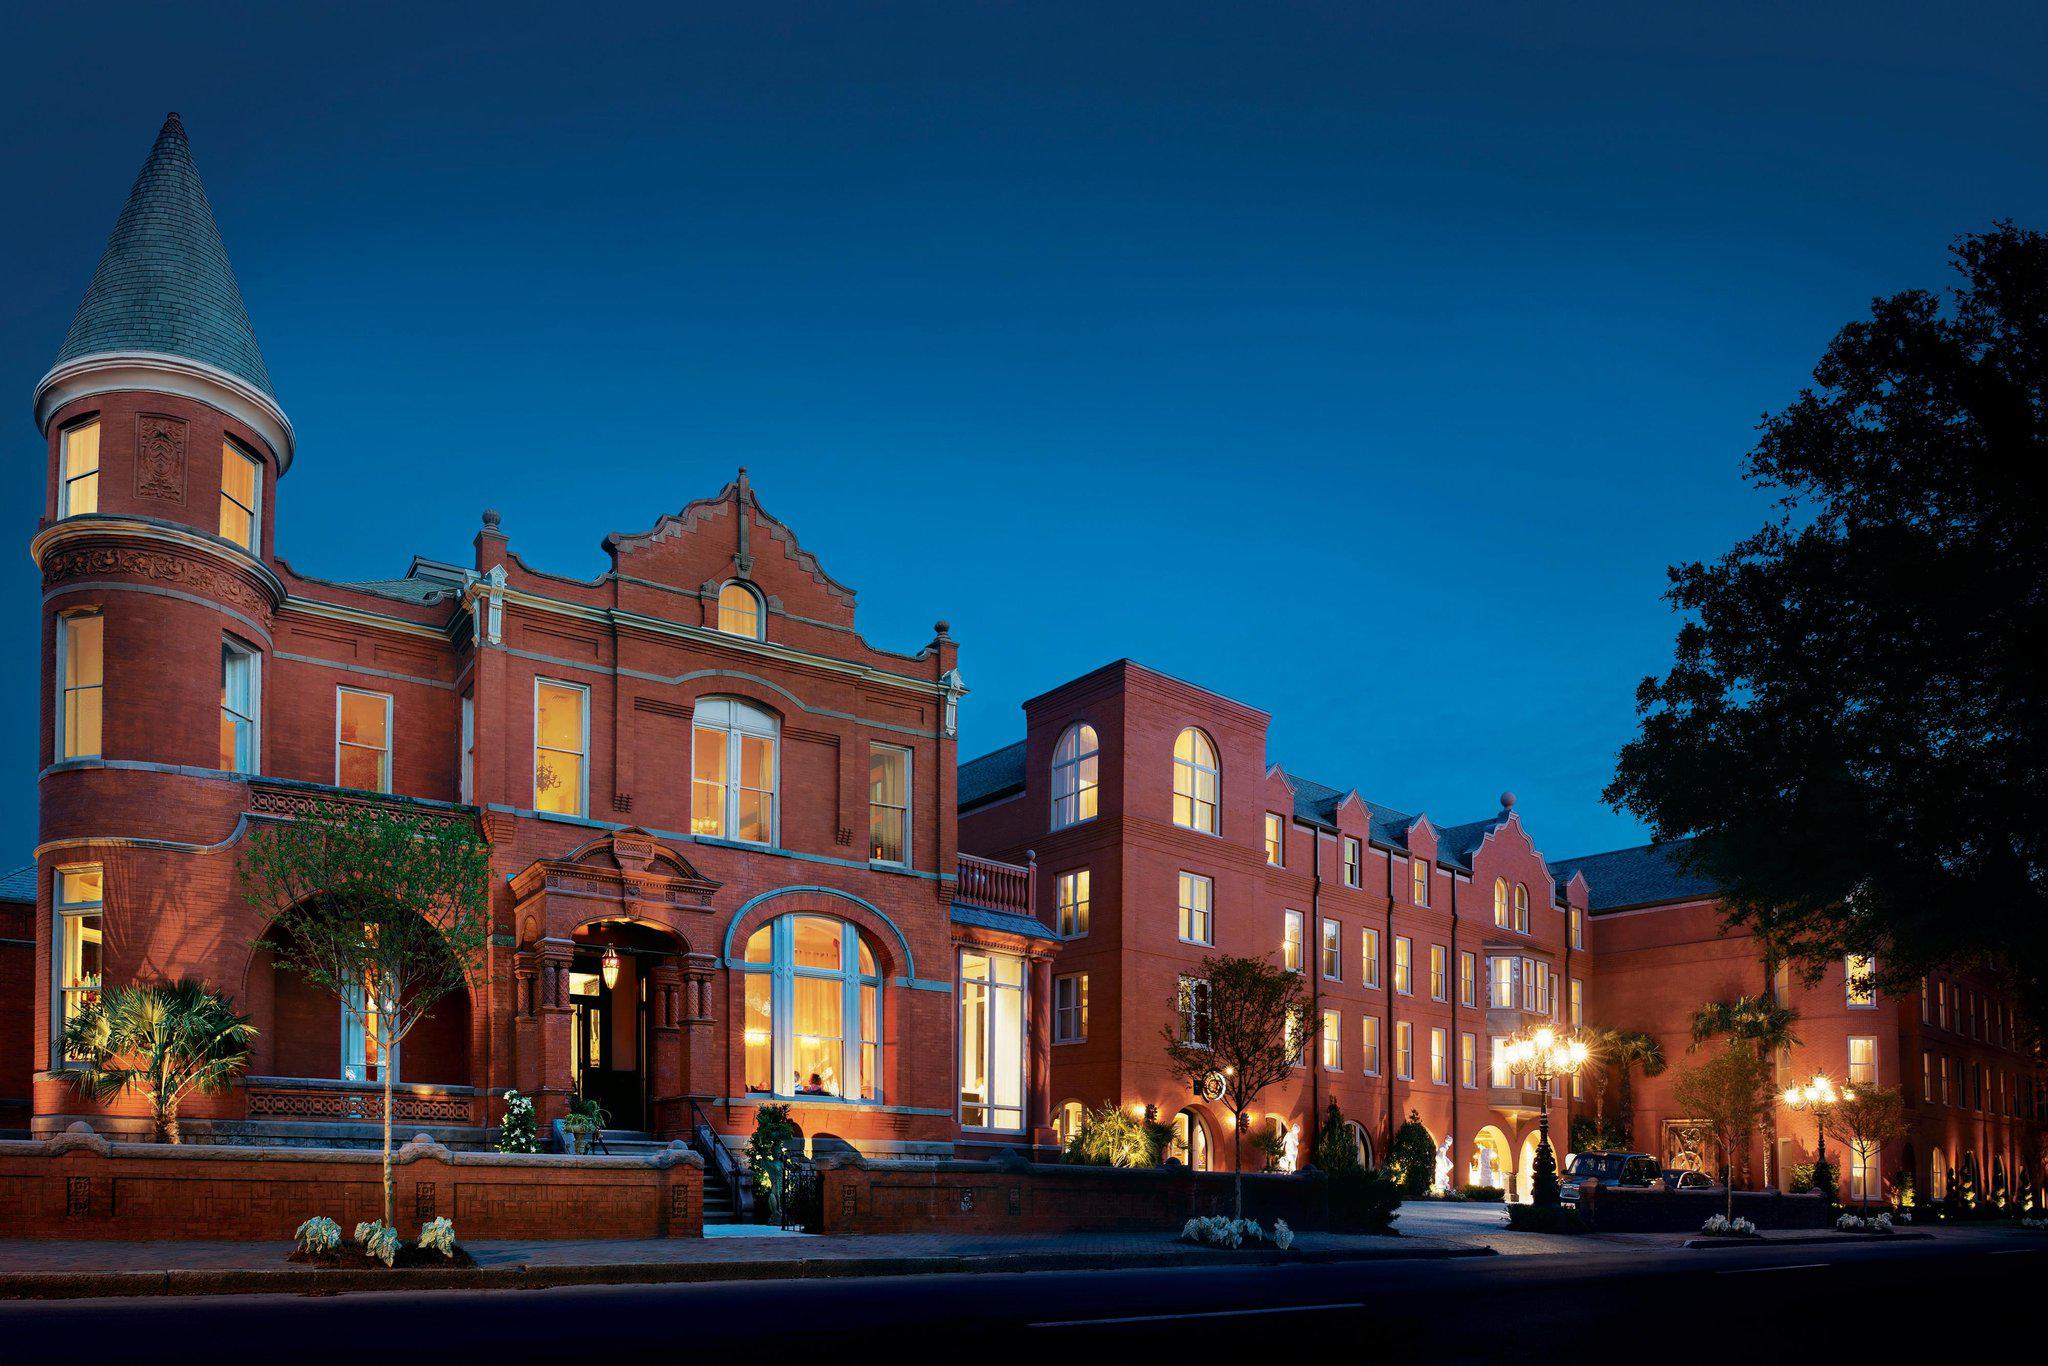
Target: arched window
{"points": [[1197, 783], [732, 771], [1500, 902], [813, 1010], [1521, 908], [1066, 1120], [1190, 1141], [739, 611], [1076, 771]]}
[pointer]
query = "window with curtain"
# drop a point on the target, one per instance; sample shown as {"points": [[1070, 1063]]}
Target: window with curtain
{"points": [[241, 486], [362, 739], [739, 611], [1276, 840], [240, 691], [733, 771], [1070, 902], [888, 804], [1290, 941], [81, 672], [79, 898], [1076, 771], [991, 1040], [561, 738], [812, 1018], [79, 491], [1197, 782]]}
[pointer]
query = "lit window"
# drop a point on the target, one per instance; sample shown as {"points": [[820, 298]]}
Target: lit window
{"points": [[1500, 903], [1369, 1044], [561, 737], [1404, 1050], [81, 665], [1860, 978], [1370, 944], [79, 897], [79, 492], [1578, 1003], [467, 791], [1418, 881], [1066, 1121], [1351, 861], [732, 771], [1194, 1011], [1439, 974], [240, 694], [241, 486], [1333, 950], [739, 611], [813, 1013], [1500, 1072], [1521, 908], [362, 740], [1578, 919], [1926, 1078], [1293, 1036], [1468, 1060], [1076, 763], [1196, 782], [1863, 1062], [1070, 901], [1506, 981], [1333, 1041], [363, 1054], [1404, 965], [1439, 1056], [1863, 1182], [1276, 841], [1070, 1008], [1290, 941], [888, 804], [1196, 894], [1468, 978]]}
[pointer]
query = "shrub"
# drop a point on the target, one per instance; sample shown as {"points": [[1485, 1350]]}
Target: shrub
{"points": [[1824, 1181], [772, 1129], [438, 1235], [1488, 1193], [1335, 1150], [519, 1132], [1268, 1149], [1363, 1201], [1721, 1226], [1114, 1137], [1218, 1231], [1801, 1179], [1856, 1223], [1411, 1158], [318, 1234], [379, 1240], [2035, 1221], [1543, 1219]]}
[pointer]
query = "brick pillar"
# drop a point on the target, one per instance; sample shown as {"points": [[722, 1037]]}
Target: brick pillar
{"points": [[665, 993], [700, 1060], [557, 1017], [526, 987]]}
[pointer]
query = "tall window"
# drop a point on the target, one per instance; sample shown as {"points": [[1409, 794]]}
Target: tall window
{"points": [[1521, 908], [1076, 769], [1196, 782], [1369, 1044], [813, 1010], [1333, 950], [888, 804], [1370, 959], [363, 1054], [1290, 941], [1070, 903], [362, 739], [1860, 975], [1500, 1071], [1578, 919], [732, 771], [1506, 981], [241, 489], [1194, 1010], [1196, 896], [240, 704], [1070, 1008], [1439, 974], [1862, 1062], [1351, 861], [1578, 989], [1500, 903], [1468, 1060], [1333, 1041], [1439, 1056], [1418, 881], [81, 672], [1404, 965], [1276, 840], [467, 791], [561, 737], [1468, 978], [739, 611], [1404, 1050], [79, 894], [79, 491], [991, 1040]]}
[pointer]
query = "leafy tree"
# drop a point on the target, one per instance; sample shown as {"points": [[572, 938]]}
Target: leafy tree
{"points": [[1729, 1093], [1114, 1137], [164, 1042], [1411, 1158], [1765, 1024], [1854, 726], [387, 909], [1627, 1051], [1868, 1119], [1240, 1032]]}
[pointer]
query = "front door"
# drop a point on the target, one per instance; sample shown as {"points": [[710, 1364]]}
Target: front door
{"points": [[609, 1043]]}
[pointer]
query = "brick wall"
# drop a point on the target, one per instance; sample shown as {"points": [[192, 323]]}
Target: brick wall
{"points": [[1634, 1211], [77, 1185]]}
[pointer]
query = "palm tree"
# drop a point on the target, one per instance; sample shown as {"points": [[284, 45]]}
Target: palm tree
{"points": [[162, 1041], [1763, 1022], [1627, 1050]]}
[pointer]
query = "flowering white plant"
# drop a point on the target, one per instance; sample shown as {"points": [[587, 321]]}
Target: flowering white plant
{"points": [[318, 1234], [380, 1242], [1217, 1231], [1856, 1223], [1723, 1226], [1283, 1236], [519, 1133], [2039, 1221], [439, 1235]]}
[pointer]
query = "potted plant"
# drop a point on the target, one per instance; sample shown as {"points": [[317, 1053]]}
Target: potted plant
{"points": [[582, 1123]]}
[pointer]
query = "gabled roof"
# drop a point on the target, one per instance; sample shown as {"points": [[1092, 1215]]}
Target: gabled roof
{"points": [[992, 775], [19, 885], [164, 283], [1646, 875], [426, 581], [1455, 844], [1317, 805]]}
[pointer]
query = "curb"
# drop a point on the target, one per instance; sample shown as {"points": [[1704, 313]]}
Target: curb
{"points": [[1709, 1244], [63, 1285]]}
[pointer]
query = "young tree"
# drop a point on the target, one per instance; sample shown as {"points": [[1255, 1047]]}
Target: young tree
{"points": [[1729, 1093], [162, 1041], [1855, 723], [386, 908], [1864, 1123], [1240, 1032], [1765, 1025]]}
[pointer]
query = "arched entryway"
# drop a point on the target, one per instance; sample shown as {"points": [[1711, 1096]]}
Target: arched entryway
{"points": [[1525, 1170], [1190, 1143], [611, 973], [1489, 1165], [306, 1031]]}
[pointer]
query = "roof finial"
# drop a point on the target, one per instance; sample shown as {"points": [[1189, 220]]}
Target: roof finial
{"points": [[1507, 801], [491, 518]]}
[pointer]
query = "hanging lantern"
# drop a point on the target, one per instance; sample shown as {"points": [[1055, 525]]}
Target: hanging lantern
{"points": [[610, 969]]}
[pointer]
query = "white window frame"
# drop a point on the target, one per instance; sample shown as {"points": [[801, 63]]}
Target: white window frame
{"points": [[1293, 948], [734, 729], [1330, 951], [1186, 912], [1404, 1050], [1078, 744], [1439, 1055], [582, 755], [909, 792], [65, 687], [385, 767], [1196, 769], [1354, 861], [1070, 1008], [1468, 1060], [1369, 959], [1333, 1041], [355, 1043], [1071, 895], [1439, 973], [990, 1109], [232, 449], [64, 914], [760, 613], [853, 974], [1369, 1044], [1501, 917], [1521, 908], [1578, 928], [1869, 1041], [1404, 965], [1468, 978], [65, 479], [249, 741], [1418, 880], [1276, 840], [1868, 1000]]}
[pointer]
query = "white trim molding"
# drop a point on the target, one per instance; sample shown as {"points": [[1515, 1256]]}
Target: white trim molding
{"points": [[156, 372]]}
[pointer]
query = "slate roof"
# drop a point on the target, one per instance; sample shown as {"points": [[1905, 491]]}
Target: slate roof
{"points": [[19, 885], [1007, 921], [992, 775], [164, 283], [1646, 875]]}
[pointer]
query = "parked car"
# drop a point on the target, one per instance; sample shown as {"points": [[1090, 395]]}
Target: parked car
{"points": [[1609, 1169], [1689, 1181]]}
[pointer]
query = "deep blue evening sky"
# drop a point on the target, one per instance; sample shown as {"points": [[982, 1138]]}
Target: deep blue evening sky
{"points": [[1366, 365]]}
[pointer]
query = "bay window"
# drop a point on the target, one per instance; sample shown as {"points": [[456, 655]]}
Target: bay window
{"points": [[812, 1018], [78, 897], [991, 1040], [241, 489], [732, 771], [240, 705], [888, 804]]}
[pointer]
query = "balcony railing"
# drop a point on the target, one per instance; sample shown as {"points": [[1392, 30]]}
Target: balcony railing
{"points": [[321, 1101], [998, 886]]}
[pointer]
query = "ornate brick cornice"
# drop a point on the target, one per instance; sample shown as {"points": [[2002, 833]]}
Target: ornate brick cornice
{"points": [[97, 547]]}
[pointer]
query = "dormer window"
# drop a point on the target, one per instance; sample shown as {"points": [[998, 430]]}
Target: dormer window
{"points": [[739, 611], [79, 490], [241, 486]]}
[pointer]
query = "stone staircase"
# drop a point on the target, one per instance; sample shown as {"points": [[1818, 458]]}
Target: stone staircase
{"points": [[718, 1206]]}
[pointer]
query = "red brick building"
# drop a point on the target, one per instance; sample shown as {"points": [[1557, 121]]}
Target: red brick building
{"points": [[721, 822]]}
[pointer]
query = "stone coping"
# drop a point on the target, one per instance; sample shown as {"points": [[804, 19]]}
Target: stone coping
{"points": [[81, 1138]]}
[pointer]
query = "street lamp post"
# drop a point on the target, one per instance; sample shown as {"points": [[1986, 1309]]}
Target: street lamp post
{"points": [[1546, 1052], [1819, 1096]]}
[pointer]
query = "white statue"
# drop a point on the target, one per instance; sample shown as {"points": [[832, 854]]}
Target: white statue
{"points": [[1443, 1166]]}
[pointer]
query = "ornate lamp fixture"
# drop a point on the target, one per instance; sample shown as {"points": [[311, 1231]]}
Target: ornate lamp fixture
{"points": [[609, 969], [1545, 1051], [1819, 1096]]}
